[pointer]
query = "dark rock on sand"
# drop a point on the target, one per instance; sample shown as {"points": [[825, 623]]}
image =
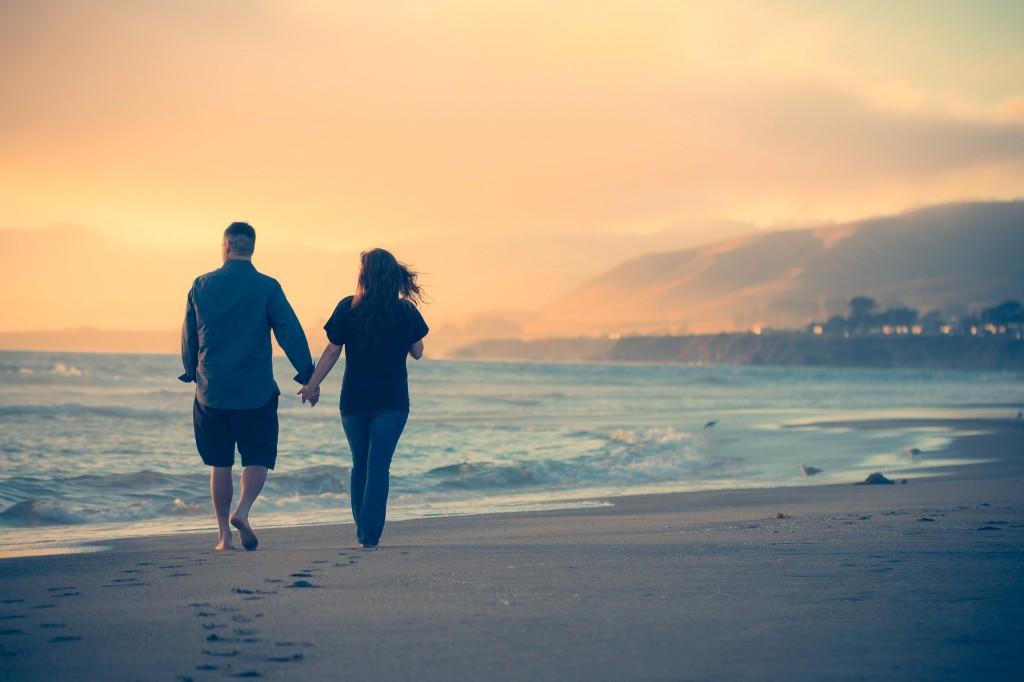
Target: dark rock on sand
{"points": [[875, 479]]}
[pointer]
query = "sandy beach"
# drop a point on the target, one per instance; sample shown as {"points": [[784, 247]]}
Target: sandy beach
{"points": [[921, 581]]}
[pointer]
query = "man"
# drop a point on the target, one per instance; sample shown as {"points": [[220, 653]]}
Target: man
{"points": [[225, 347]]}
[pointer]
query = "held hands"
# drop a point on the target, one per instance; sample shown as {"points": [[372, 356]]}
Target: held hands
{"points": [[312, 396]]}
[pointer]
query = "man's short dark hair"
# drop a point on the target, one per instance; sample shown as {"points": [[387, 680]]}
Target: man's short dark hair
{"points": [[241, 237]]}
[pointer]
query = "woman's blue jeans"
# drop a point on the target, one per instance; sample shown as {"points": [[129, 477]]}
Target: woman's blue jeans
{"points": [[372, 437]]}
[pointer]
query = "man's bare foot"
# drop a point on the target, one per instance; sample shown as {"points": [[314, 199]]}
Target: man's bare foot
{"points": [[224, 545], [249, 540]]}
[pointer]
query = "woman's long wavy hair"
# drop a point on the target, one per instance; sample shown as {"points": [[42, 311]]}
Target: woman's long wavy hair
{"points": [[385, 285]]}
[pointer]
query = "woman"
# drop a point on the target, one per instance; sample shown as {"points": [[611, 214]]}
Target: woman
{"points": [[377, 327]]}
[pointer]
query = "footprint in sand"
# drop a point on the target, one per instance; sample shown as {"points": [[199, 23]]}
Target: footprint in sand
{"points": [[301, 575], [44, 606], [302, 583], [10, 601], [127, 582], [52, 626], [11, 632], [221, 654], [66, 638]]}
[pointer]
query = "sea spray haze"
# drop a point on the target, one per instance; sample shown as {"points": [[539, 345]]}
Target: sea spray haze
{"points": [[96, 446]]}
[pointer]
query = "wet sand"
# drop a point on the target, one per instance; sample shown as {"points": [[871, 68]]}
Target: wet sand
{"points": [[923, 581]]}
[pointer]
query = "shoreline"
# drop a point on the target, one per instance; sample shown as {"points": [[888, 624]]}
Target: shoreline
{"points": [[838, 581], [962, 428]]}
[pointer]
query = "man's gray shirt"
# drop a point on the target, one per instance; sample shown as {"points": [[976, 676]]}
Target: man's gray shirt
{"points": [[225, 340]]}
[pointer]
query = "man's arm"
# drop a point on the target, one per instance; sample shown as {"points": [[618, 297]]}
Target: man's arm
{"points": [[311, 391], [290, 336], [189, 341]]}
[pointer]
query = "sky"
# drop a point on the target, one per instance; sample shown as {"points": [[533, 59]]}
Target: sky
{"points": [[509, 150]]}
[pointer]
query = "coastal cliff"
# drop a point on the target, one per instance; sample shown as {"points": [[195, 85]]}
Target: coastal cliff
{"points": [[998, 352]]}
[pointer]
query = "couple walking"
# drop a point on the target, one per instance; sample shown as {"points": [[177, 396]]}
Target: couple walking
{"points": [[226, 351]]}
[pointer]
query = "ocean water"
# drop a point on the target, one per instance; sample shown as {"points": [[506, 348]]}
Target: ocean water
{"points": [[100, 446]]}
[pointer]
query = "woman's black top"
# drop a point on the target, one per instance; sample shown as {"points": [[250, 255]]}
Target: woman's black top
{"points": [[375, 374]]}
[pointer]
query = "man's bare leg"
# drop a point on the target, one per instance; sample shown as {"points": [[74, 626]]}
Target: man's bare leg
{"points": [[253, 478], [221, 490]]}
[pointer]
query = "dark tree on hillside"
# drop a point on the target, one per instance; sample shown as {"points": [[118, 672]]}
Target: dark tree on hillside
{"points": [[900, 317], [836, 326], [1007, 313], [861, 308], [932, 322]]}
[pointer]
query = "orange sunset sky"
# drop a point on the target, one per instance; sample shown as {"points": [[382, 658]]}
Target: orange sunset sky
{"points": [[509, 150]]}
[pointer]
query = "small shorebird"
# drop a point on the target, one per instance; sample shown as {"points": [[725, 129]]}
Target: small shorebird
{"points": [[809, 471], [710, 424], [912, 452]]}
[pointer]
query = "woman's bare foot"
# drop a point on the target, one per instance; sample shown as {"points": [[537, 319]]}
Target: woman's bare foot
{"points": [[249, 540]]}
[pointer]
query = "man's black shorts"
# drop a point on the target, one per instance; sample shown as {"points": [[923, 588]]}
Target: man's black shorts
{"points": [[219, 430]]}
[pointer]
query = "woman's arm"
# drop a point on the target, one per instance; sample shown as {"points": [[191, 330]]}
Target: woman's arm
{"points": [[311, 391], [417, 350]]}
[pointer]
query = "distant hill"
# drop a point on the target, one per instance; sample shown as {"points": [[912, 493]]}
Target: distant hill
{"points": [[951, 257]]}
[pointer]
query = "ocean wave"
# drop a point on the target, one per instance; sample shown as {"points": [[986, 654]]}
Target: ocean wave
{"points": [[488, 475], [630, 458], [652, 435], [323, 479], [36, 513], [32, 514], [144, 495], [56, 369], [79, 410]]}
